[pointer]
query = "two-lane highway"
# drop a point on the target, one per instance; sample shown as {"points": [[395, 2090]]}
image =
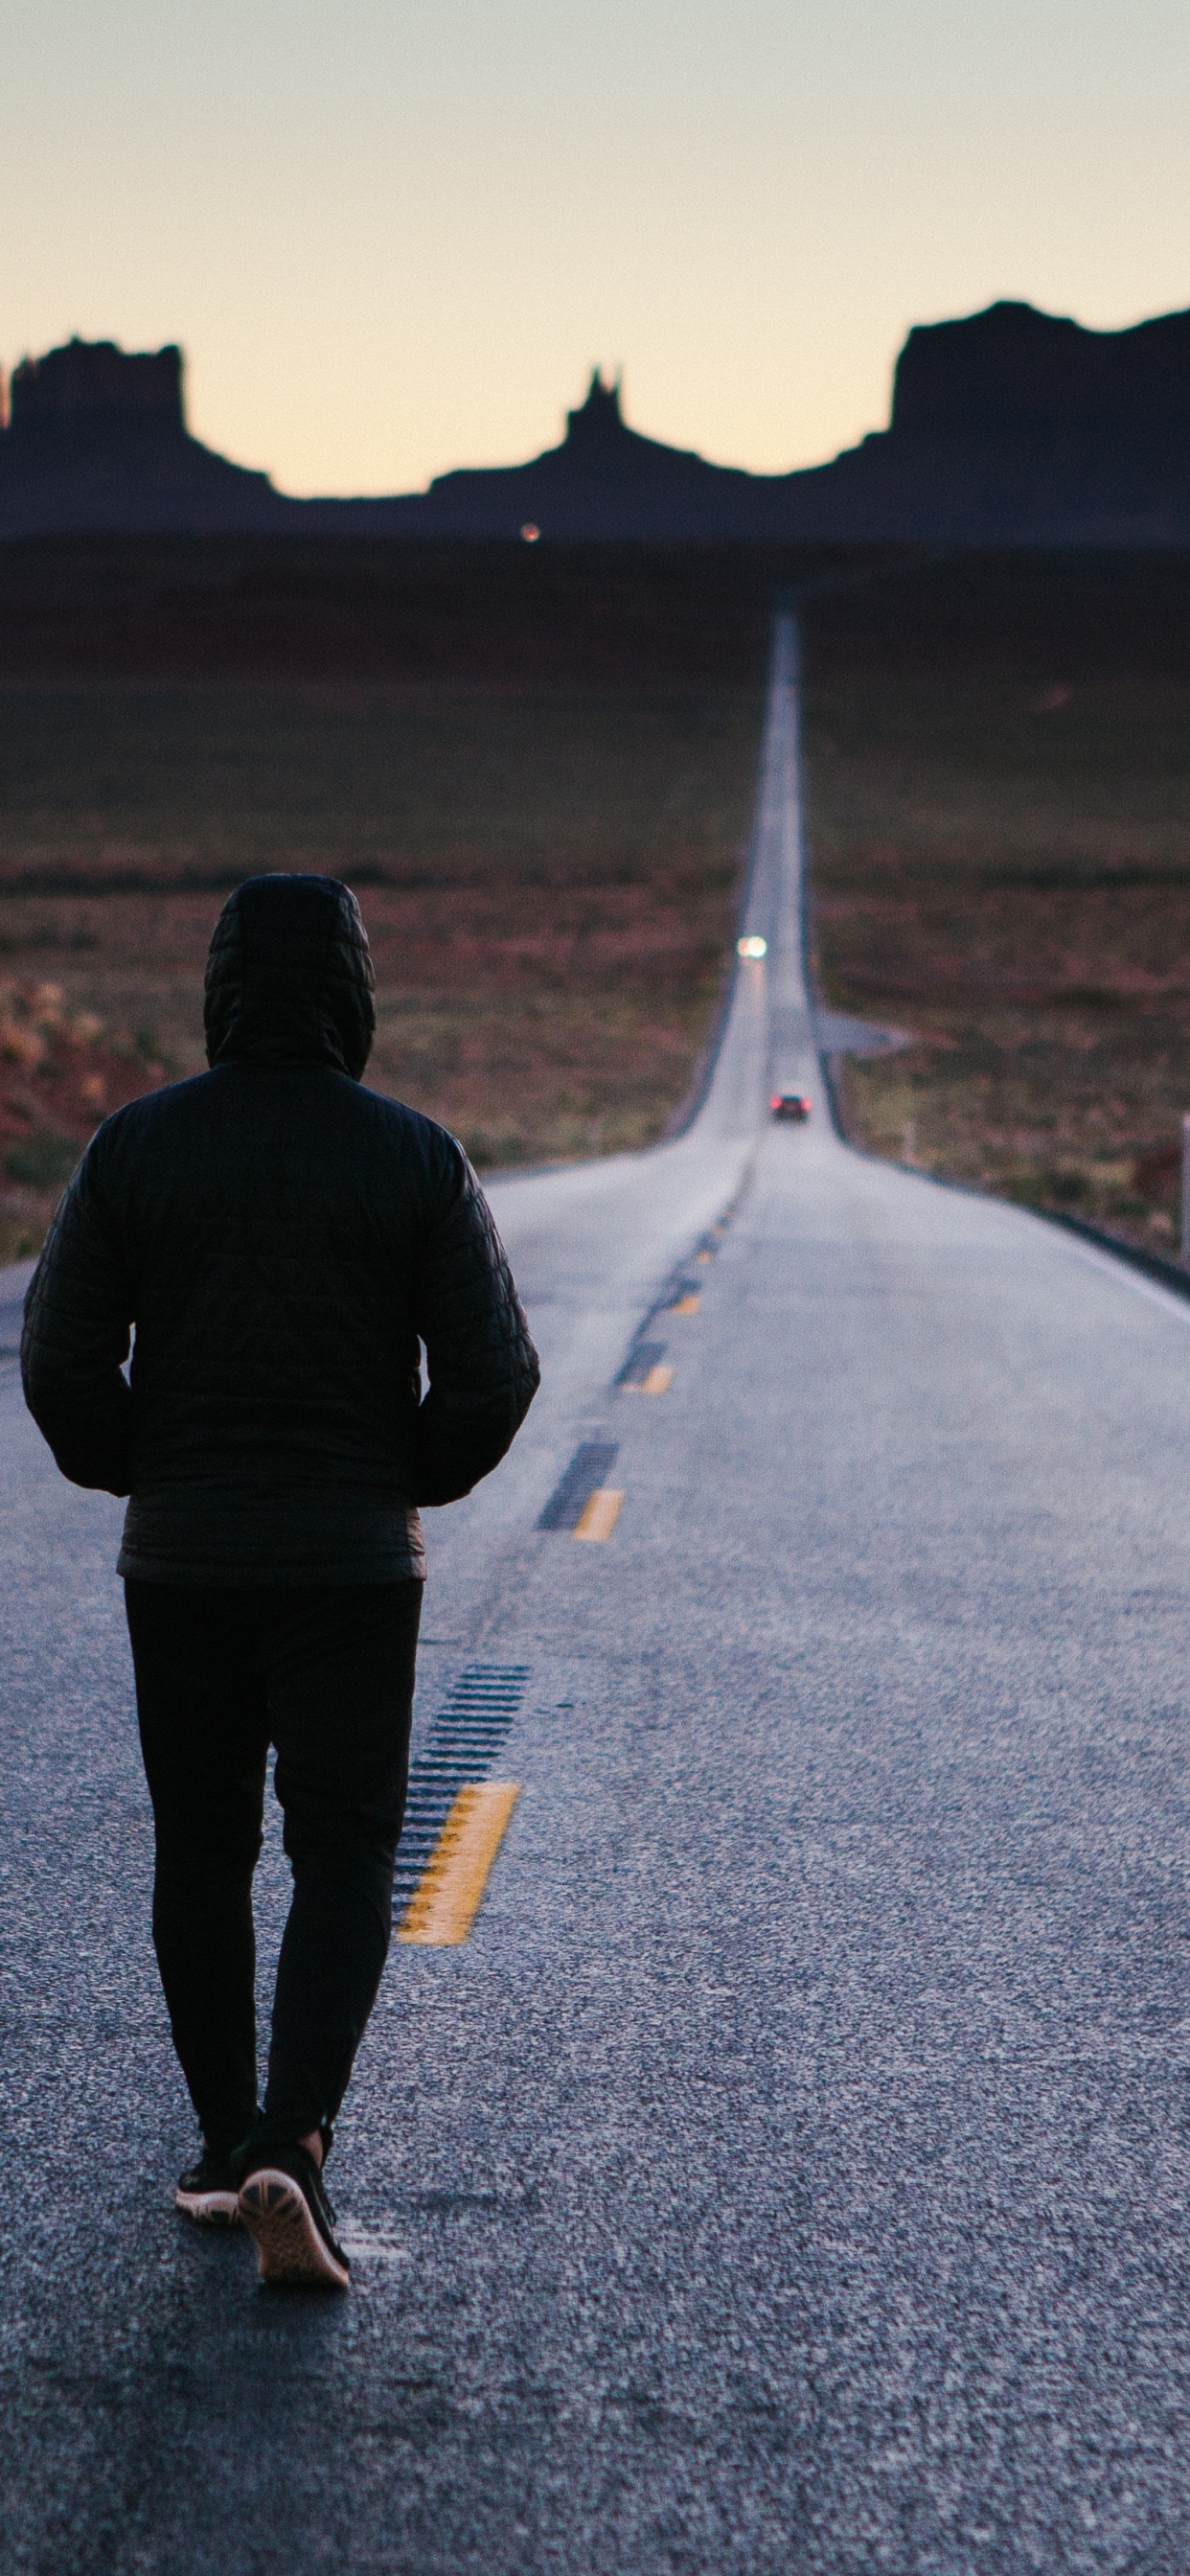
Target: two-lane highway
{"points": [[790, 2171]]}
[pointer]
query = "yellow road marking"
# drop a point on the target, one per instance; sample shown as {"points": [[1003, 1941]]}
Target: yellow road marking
{"points": [[687, 1305], [704, 1257], [446, 1899], [658, 1380], [599, 1514]]}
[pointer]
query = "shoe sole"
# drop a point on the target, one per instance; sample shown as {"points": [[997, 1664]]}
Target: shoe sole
{"points": [[209, 2208], [291, 2250]]}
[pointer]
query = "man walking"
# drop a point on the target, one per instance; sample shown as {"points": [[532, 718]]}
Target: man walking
{"points": [[281, 1240]]}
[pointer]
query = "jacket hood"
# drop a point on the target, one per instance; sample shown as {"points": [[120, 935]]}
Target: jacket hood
{"points": [[289, 976]]}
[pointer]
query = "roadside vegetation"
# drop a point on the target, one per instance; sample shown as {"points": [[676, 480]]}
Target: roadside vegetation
{"points": [[536, 767], [998, 768]]}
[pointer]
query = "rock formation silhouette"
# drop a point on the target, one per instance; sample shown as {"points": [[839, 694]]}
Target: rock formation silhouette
{"points": [[97, 438], [1009, 427]]}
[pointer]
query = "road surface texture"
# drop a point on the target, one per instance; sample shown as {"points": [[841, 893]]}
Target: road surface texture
{"points": [[790, 2173]]}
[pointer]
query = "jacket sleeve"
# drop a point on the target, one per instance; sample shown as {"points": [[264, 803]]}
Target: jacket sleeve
{"points": [[76, 1337], [483, 1369]]}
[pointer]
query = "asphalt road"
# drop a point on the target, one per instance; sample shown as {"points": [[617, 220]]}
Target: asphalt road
{"points": [[790, 2173]]}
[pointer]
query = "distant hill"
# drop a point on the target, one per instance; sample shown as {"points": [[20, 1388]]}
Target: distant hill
{"points": [[1011, 427], [98, 439]]}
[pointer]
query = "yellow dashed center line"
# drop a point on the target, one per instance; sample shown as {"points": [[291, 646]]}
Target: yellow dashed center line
{"points": [[445, 1901], [656, 1381], [599, 1514], [687, 1305]]}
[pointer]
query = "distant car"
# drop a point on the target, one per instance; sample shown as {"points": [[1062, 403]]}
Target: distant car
{"points": [[790, 1104]]}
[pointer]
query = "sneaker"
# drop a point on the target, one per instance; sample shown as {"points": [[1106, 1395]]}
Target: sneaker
{"points": [[284, 2206], [209, 2191]]}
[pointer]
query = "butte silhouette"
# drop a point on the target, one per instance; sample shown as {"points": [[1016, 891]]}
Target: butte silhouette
{"points": [[1010, 427]]}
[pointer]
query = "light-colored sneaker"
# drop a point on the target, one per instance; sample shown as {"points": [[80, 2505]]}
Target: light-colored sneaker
{"points": [[209, 2192], [284, 2206]]}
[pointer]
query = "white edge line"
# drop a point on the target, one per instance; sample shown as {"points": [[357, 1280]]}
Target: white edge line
{"points": [[1125, 1276]]}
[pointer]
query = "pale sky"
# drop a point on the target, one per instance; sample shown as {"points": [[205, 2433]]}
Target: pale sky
{"points": [[393, 236]]}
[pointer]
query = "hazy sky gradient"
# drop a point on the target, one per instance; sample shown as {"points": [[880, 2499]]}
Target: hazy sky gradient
{"points": [[394, 238]]}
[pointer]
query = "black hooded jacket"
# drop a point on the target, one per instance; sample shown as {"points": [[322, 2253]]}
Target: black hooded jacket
{"points": [[280, 1238]]}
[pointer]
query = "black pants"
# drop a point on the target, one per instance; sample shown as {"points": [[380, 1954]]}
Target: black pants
{"points": [[325, 1674]]}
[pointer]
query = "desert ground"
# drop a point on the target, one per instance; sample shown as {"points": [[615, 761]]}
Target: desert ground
{"points": [[998, 790], [547, 879], [537, 777], [536, 769]]}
